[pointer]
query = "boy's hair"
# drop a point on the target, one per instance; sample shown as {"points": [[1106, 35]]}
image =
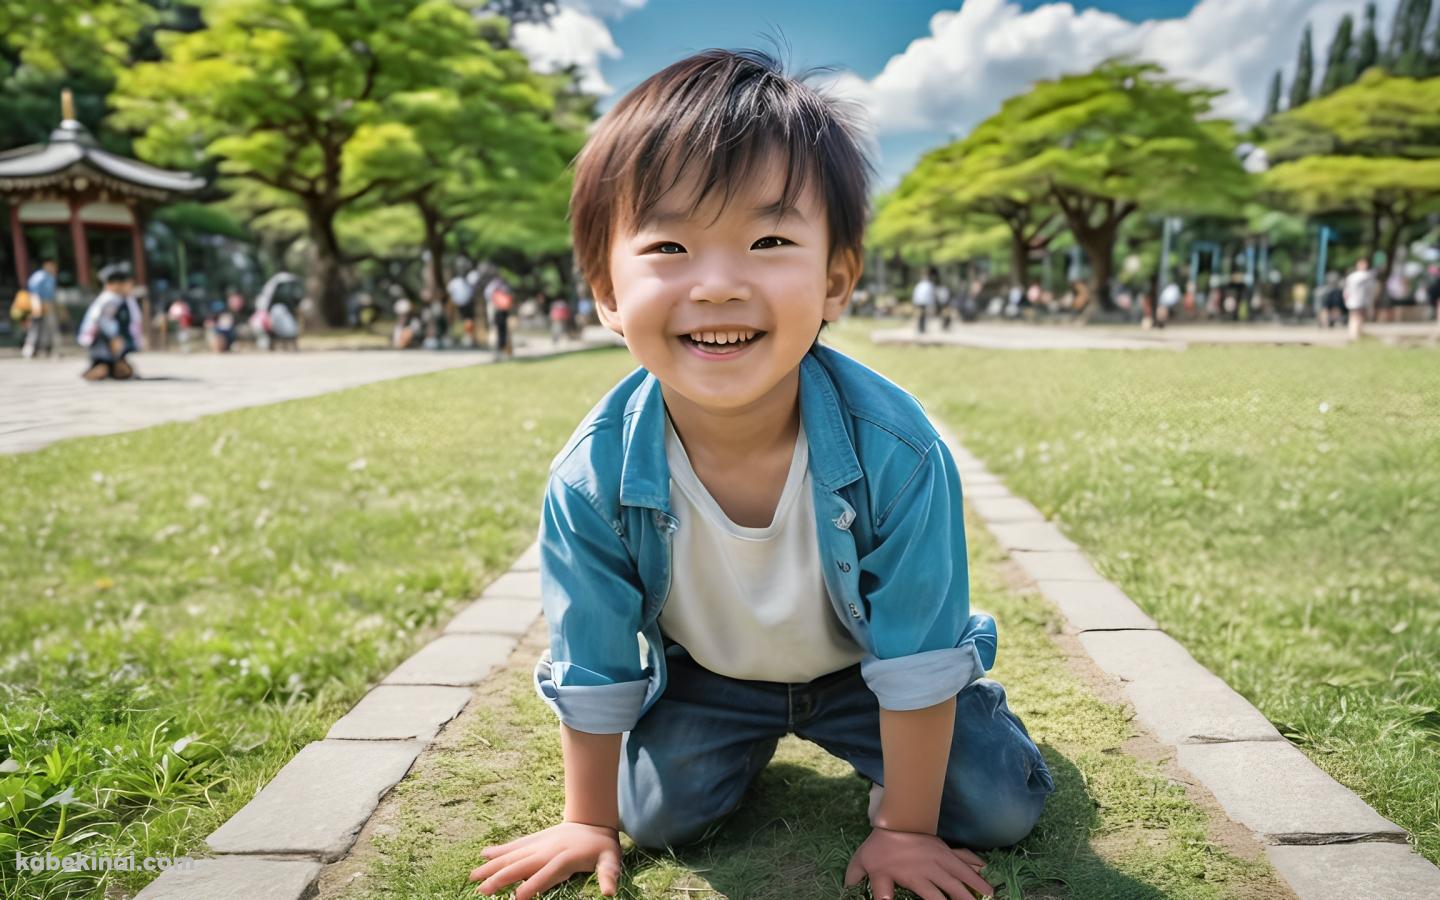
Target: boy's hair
{"points": [[724, 110]]}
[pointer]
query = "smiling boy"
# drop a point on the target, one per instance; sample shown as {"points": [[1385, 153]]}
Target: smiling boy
{"points": [[778, 525]]}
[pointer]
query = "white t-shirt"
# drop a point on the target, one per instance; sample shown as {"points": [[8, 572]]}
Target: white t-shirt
{"points": [[924, 293], [461, 291], [751, 603], [1360, 288]]}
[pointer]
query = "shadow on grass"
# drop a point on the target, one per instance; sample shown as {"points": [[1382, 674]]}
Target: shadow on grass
{"points": [[794, 833]]}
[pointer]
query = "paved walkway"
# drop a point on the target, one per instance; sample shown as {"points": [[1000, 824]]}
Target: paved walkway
{"points": [[1022, 336], [45, 400]]}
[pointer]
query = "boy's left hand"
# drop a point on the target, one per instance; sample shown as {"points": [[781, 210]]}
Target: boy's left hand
{"points": [[923, 863]]}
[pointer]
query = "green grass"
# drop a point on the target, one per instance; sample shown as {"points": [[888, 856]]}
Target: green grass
{"points": [[1275, 509], [1116, 828], [185, 607]]}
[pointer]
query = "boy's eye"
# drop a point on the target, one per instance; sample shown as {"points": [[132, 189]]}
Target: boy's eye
{"points": [[779, 241], [662, 248]]}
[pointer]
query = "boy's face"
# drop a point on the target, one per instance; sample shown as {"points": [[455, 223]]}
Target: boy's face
{"points": [[679, 274]]}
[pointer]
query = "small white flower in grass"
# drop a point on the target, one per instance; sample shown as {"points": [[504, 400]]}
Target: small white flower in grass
{"points": [[8, 766], [181, 744], [358, 465], [64, 798], [264, 484], [1324, 407], [197, 501], [97, 477]]}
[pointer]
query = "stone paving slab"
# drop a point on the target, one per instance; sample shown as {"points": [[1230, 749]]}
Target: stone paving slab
{"points": [[1174, 696], [1384, 871], [1096, 606], [1056, 565], [1030, 536], [974, 490], [393, 712], [236, 878], [523, 584], [1274, 790], [459, 660], [529, 560], [1006, 510], [319, 801], [495, 615]]}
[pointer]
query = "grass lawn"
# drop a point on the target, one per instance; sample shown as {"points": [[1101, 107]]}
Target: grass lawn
{"points": [[1117, 828], [185, 607], [1276, 509]]}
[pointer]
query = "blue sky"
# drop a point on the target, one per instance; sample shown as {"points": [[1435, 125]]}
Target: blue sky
{"points": [[928, 70]]}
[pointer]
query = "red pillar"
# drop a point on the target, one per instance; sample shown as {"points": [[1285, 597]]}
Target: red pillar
{"points": [[82, 248], [137, 251], [22, 260]]}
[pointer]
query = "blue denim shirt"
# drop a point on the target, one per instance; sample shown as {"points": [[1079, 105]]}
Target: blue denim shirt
{"points": [[891, 535]]}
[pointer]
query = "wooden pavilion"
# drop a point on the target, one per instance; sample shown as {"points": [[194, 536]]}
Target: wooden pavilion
{"points": [[71, 184]]}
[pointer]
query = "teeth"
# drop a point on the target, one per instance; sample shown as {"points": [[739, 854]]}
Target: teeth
{"points": [[721, 337]]}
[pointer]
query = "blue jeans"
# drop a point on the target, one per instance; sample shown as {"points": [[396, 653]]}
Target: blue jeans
{"points": [[689, 760]]}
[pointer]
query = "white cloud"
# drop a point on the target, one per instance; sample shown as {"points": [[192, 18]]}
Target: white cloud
{"points": [[576, 35], [989, 50]]}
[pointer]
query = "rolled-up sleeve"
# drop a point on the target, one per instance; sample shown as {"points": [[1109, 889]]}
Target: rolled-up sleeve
{"points": [[591, 675], [916, 583]]}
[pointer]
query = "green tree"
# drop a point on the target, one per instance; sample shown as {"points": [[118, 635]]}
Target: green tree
{"points": [[1304, 72], [1272, 100], [1368, 52], [492, 141], [46, 46], [297, 100], [1405, 51], [969, 188], [1374, 150], [1340, 64], [1107, 143]]}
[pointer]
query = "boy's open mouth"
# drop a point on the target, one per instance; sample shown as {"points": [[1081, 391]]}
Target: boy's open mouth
{"points": [[722, 345]]}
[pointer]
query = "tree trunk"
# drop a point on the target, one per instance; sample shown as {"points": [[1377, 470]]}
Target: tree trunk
{"points": [[325, 283], [1019, 258], [1099, 247], [435, 244]]}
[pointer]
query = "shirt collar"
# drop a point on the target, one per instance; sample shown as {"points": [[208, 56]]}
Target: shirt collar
{"points": [[645, 472]]}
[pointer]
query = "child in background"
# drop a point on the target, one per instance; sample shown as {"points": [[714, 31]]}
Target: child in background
{"points": [[781, 524]]}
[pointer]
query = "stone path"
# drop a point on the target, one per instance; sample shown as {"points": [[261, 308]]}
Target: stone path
{"points": [[46, 400], [1322, 839], [1021, 336]]}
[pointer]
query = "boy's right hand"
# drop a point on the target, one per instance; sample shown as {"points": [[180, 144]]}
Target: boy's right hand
{"points": [[546, 858]]}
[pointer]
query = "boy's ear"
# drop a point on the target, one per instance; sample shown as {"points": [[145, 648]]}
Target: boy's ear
{"points": [[606, 307], [840, 279]]}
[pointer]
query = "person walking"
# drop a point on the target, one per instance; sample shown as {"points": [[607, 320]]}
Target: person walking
{"points": [[39, 327], [462, 296], [1170, 297], [924, 296], [1360, 290], [112, 328], [501, 300]]}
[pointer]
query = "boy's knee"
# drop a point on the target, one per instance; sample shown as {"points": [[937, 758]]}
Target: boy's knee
{"points": [[663, 829], [999, 823]]}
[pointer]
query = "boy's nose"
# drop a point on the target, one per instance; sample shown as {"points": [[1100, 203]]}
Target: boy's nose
{"points": [[720, 289]]}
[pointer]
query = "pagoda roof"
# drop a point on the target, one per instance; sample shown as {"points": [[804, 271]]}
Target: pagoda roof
{"points": [[72, 153]]}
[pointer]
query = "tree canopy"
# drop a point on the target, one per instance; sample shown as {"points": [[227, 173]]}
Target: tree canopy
{"points": [[1372, 149], [316, 106], [1092, 148]]}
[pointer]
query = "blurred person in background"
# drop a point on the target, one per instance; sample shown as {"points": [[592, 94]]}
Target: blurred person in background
{"points": [[112, 328]]}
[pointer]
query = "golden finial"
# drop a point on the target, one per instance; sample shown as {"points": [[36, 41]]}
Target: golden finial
{"points": [[67, 105]]}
